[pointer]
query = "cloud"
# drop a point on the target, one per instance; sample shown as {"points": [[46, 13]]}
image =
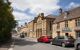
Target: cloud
{"points": [[22, 17], [36, 6], [30, 8], [72, 5]]}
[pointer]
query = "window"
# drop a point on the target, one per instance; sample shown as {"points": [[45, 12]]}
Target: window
{"points": [[39, 23], [50, 26], [78, 34], [77, 22], [58, 25], [62, 37], [66, 23]]}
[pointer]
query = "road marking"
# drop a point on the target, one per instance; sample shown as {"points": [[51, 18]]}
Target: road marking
{"points": [[12, 46], [10, 49]]}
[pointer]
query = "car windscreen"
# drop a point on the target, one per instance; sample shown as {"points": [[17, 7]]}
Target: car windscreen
{"points": [[67, 38]]}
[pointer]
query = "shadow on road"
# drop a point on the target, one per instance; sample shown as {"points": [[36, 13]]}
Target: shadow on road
{"points": [[65, 47], [69, 47], [23, 42]]}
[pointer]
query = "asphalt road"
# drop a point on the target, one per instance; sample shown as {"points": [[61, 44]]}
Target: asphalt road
{"points": [[31, 44]]}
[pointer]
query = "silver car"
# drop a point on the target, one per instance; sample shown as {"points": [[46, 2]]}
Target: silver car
{"points": [[77, 44]]}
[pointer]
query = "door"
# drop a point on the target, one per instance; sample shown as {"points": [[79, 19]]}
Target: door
{"points": [[55, 40], [60, 40]]}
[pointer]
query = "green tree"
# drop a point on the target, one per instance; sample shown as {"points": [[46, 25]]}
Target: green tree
{"points": [[7, 22]]}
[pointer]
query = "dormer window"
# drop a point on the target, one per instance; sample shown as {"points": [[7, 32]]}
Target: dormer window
{"points": [[66, 14]]}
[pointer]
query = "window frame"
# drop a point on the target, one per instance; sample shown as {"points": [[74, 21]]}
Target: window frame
{"points": [[58, 25], [66, 23], [77, 22]]}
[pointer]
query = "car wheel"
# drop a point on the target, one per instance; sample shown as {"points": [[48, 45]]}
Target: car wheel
{"points": [[78, 47], [63, 45], [51, 43], [38, 41]]}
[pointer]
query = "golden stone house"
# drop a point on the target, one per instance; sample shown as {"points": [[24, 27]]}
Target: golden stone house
{"points": [[40, 26], [67, 22]]}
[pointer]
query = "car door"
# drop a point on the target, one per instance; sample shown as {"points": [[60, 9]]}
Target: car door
{"points": [[55, 40], [40, 39], [60, 40]]}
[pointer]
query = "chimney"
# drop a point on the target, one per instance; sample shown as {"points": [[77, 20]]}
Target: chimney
{"points": [[42, 14], [60, 11]]}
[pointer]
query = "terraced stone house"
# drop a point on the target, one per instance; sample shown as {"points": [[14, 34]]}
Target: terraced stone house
{"points": [[68, 22]]}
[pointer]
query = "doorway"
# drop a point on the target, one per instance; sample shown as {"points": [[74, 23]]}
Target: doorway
{"points": [[66, 34]]}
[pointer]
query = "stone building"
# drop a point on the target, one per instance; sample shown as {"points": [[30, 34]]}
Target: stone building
{"points": [[40, 26], [68, 22], [30, 29]]}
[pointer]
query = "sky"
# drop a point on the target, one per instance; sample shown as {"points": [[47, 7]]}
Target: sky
{"points": [[26, 10]]}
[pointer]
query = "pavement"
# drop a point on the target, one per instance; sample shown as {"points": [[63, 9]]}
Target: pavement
{"points": [[5, 46]]}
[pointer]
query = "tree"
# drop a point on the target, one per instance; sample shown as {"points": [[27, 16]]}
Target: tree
{"points": [[7, 22]]}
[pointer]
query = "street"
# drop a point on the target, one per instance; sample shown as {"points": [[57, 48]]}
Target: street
{"points": [[31, 44]]}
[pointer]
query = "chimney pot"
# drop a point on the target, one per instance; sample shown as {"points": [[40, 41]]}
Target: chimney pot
{"points": [[60, 11]]}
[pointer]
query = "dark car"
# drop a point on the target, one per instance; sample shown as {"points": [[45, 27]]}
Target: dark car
{"points": [[63, 41], [22, 35], [45, 39]]}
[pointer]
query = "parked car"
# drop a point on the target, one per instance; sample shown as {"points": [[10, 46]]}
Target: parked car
{"points": [[63, 41], [44, 39], [77, 44]]}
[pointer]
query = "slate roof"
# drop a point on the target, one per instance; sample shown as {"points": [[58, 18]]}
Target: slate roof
{"points": [[73, 13], [50, 16]]}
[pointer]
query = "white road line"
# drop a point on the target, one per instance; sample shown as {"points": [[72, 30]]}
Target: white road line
{"points": [[10, 49], [12, 46]]}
